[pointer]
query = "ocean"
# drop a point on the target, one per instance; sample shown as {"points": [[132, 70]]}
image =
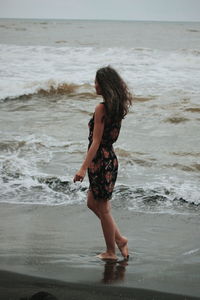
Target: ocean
{"points": [[47, 97]]}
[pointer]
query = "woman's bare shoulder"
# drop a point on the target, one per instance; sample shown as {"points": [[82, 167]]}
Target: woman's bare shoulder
{"points": [[100, 108], [100, 111]]}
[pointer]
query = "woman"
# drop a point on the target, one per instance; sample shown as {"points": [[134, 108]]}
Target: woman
{"points": [[101, 161]]}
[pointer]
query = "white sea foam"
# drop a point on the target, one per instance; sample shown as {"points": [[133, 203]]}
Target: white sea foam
{"points": [[23, 182], [26, 69], [161, 195], [193, 251]]}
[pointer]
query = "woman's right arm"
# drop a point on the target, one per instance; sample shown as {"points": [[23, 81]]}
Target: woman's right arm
{"points": [[97, 136]]}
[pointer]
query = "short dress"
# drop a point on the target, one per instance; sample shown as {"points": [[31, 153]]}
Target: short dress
{"points": [[103, 169]]}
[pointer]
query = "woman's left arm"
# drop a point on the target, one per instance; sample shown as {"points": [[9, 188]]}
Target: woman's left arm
{"points": [[97, 136]]}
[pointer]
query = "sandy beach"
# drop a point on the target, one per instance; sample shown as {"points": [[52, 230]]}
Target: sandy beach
{"points": [[53, 249]]}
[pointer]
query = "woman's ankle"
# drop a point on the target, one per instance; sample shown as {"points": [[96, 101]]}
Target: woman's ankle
{"points": [[111, 252], [123, 240]]}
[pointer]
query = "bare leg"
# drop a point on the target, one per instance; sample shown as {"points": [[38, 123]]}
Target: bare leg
{"points": [[120, 240], [108, 228]]}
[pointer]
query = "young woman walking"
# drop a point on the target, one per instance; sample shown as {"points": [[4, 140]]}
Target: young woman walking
{"points": [[101, 161]]}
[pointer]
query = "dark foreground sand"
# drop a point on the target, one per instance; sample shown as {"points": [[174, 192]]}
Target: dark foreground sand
{"points": [[16, 286], [53, 249]]}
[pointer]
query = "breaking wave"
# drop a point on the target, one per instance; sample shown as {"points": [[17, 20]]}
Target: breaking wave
{"points": [[22, 180], [163, 197], [28, 69], [52, 89]]}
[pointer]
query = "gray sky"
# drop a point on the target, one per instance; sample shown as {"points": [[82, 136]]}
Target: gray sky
{"points": [[169, 10]]}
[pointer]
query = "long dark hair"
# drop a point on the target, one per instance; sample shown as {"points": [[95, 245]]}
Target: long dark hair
{"points": [[115, 93]]}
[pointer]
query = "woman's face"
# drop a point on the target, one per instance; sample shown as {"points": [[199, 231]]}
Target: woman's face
{"points": [[97, 87]]}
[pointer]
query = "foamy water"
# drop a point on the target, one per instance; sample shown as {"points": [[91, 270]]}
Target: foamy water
{"points": [[25, 69], [47, 97]]}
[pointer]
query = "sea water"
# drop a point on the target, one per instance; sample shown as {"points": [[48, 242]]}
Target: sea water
{"points": [[47, 97]]}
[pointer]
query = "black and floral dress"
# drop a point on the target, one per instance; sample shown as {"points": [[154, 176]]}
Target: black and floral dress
{"points": [[103, 169]]}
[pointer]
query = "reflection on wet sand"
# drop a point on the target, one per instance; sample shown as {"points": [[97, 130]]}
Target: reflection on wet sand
{"points": [[114, 271]]}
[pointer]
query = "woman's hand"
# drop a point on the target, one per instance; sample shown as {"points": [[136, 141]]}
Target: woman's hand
{"points": [[80, 175]]}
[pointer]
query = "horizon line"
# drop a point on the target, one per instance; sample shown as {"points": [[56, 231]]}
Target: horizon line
{"points": [[92, 19]]}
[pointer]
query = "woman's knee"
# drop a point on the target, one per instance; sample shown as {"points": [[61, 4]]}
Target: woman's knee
{"points": [[104, 208], [90, 201], [90, 205]]}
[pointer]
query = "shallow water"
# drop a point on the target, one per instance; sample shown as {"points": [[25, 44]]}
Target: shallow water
{"points": [[47, 98]]}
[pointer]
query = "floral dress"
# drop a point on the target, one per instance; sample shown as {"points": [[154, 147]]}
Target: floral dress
{"points": [[102, 171]]}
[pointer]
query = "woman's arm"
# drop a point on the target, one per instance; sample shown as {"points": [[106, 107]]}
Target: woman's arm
{"points": [[97, 136]]}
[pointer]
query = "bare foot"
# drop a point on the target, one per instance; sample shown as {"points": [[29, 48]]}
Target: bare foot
{"points": [[123, 247], [107, 256]]}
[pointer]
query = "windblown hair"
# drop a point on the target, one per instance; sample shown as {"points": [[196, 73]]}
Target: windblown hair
{"points": [[115, 93]]}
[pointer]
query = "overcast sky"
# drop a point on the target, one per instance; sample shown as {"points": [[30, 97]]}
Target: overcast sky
{"points": [[169, 10]]}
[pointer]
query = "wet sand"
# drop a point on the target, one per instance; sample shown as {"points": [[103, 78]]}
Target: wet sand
{"points": [[53, 249], [16, 286]]}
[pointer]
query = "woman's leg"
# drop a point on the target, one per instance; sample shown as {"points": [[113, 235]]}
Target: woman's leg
{"points": [[91, 203], [95, 206], [108, 227]]}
